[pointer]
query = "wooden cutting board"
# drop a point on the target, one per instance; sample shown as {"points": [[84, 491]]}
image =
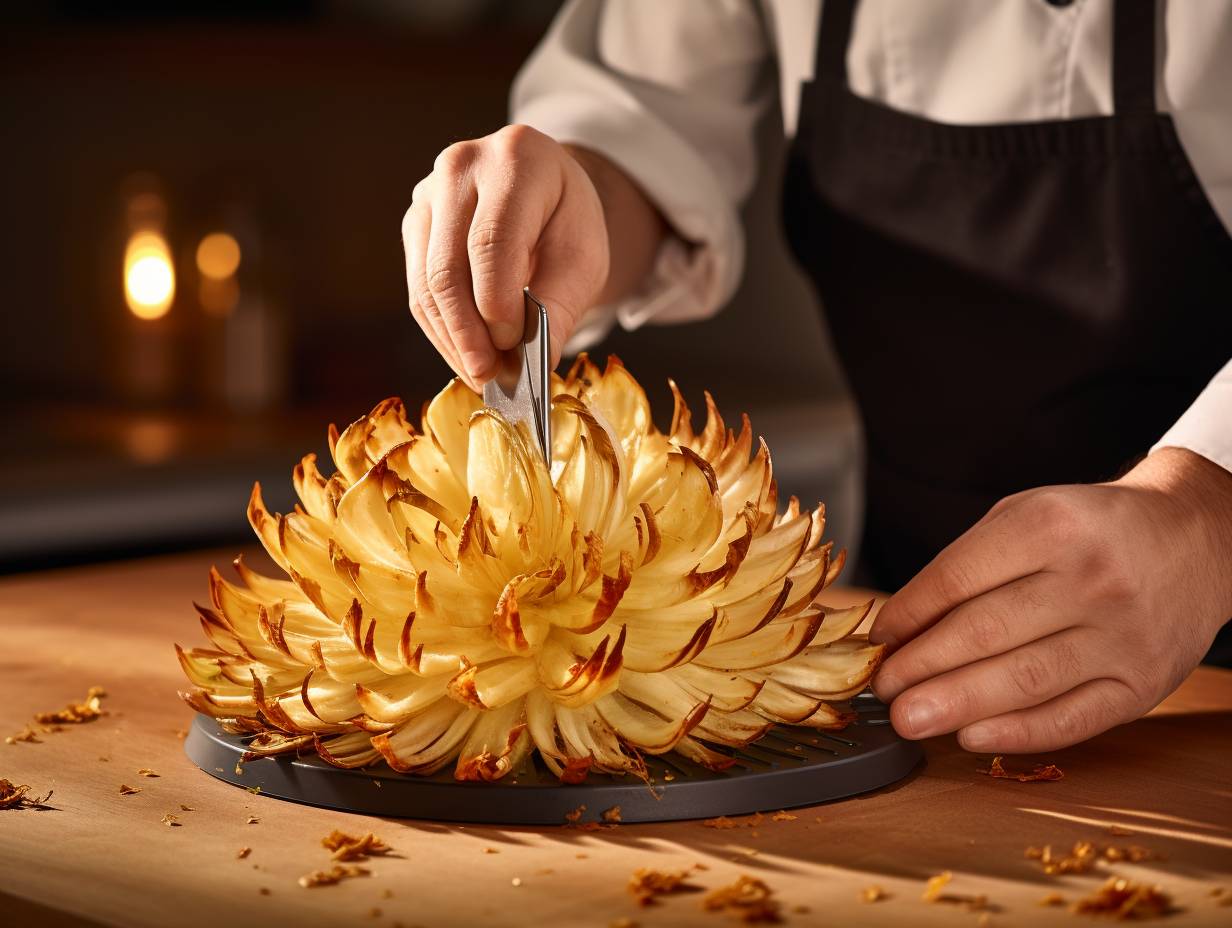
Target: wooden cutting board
{"points": [[99, 858]]}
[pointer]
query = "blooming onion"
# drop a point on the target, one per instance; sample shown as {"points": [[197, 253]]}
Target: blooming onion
{"points": [[452, 599]]}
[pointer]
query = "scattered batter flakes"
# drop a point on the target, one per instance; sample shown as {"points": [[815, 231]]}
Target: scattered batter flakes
{"points": [[490, 850], [669, 776], [872, 893], [253, 820], [748, 899], [1043, 772], [354, 847], [936, 886], [752, 821], [335, 874], [1132, 853], [13, 796], [184, 808], [146, 772], [783, 816], [646, 884], [171, 821], [1084, 856], [1123, 899], [516, 881], [1052, 899], [243, 852], [126, 790], [76, 712], [573, 819], [934, 891], [27, 734]]}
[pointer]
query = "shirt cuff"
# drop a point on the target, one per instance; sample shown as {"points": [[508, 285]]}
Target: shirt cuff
{"points": [[1206, 427], [699, 265]]}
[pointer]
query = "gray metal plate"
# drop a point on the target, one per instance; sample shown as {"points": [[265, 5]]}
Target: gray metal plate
{"points": [[788, 767]]}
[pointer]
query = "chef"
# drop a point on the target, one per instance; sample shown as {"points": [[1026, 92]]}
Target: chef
{"points": [[1016, 214]]}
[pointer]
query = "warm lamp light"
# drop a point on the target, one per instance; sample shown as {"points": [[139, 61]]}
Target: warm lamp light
{"points": [[149, 276], [218, 256]]}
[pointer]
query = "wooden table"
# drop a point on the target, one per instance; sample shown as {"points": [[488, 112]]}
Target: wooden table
{"points": [[104, 859]]}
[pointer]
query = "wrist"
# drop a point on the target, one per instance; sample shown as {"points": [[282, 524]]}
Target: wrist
{"points": [[632, 223], [1196, 496]]}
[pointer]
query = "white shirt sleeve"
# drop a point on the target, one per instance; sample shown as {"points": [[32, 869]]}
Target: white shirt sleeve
{"points": [[670, 92], [1206, 427]]}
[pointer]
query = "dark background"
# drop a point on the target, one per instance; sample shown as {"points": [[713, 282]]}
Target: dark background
{"points": [[302, 128]]}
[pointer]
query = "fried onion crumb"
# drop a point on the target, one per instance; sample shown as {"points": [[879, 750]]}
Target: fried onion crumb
{"points": [[872, 893], [335, 874], [935, 891], [646, 885], [14, 796], [75, 713], [748, 899], [1124, 899], [1040, 772], [354, 847]]}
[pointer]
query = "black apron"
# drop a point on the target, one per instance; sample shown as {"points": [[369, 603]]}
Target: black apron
{"points": [[1015, 305]]}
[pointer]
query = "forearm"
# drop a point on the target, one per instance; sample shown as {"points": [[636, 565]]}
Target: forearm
{"points": [[635, 227]]}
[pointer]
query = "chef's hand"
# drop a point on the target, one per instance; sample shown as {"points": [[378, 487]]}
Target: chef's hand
{"points": [[1065, 611], [513, 209]]}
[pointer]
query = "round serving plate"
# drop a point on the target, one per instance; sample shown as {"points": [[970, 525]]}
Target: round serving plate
{"points": [[788, 767]]}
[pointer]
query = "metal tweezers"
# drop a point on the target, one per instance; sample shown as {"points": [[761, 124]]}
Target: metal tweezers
{"points": [[521, 391]]}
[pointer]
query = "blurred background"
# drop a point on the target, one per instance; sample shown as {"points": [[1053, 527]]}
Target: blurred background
{"points": [[201, 267]]}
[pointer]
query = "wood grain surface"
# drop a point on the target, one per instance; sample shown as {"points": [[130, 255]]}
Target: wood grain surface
{"points": [[99, 858]]}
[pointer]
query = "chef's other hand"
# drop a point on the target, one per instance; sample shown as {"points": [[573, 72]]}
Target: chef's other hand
{"points": [[1065, 611], [512, 209]]}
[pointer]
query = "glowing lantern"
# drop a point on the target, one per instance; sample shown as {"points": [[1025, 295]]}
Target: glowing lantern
{"points": [[149, 276]]}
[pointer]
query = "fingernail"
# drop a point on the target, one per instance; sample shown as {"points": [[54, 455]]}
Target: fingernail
{"points": [[881, 636], [977, 737], [476, 364], [504, 334], [922, 716], [885, 687]]}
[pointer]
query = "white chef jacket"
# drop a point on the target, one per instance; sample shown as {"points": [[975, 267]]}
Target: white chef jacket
{"points": [[670, 90]]}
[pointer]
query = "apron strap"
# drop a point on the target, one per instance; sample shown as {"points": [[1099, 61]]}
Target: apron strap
{"points": [[833, 38], [1133, 56]]}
